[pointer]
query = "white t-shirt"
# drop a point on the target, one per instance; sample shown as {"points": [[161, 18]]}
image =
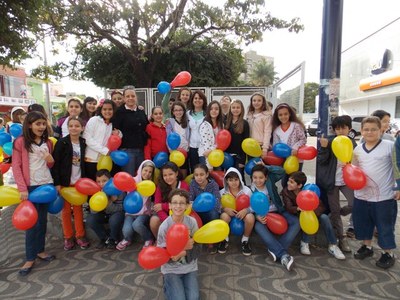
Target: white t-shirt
{"points": [[39, 172], [76, 163], [284, 135]]}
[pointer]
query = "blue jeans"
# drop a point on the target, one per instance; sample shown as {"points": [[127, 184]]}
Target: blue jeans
{"points": [[279, 246], [326, 224], [138, 224], [208, 216], [136, 157], [181, 286], [96, 223]]}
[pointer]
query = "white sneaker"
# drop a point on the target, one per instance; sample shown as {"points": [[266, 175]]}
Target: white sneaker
{"points": [[336, 252], [272, 254], [305, 248], [287, 261]]}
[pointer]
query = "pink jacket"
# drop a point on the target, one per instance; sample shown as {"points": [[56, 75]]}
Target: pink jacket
{"points": [[261, 128]]}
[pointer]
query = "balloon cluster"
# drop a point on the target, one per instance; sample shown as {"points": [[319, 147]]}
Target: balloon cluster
{"points": [[181, 79], [282, 153], [308, 200], [218, 157]]}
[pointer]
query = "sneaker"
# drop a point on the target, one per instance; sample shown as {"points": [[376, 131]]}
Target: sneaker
{"points": [[246, 250], [111, 243], [148, 243], [212, 248], [336, 252], [123, 244], [350, 233], [272, 254], [363, 252], [69, 244], [305, 248], [83, 243], [386, 261], [287, 261], [344, 245], [223, 246]]}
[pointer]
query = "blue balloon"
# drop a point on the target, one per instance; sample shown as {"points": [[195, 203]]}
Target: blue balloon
{"points": [[4, 138], [164, 87], [173, 140], [282, 150], [204, 202], [259, 202], [16, 130], [237, 226], [110, 189], [160, 159], [43, 194], [56, 206], [133, 203], [120, 158], [7, 148], [228, 161], [250, 165], [312, 187]]}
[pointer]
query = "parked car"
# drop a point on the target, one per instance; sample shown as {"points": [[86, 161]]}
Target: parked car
{"points": [[312, 126], [356, 123]]}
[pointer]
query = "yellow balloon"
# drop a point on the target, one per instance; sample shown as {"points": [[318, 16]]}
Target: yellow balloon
{"points": [[342, 147], [227, 200], [53, 140], [187, 211], [1, 151], [104, 162], [177, 157], [251, 147], [9, 196], [189, 178], [98, 201], [146, 188], [291, 164], [212, 232], [73, 196], [309, 222], [156, 174], [216, 157], [1, 157]]}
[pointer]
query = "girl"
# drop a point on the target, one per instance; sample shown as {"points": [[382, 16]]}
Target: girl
{"points": [[169, 179], [31, 168], [139, 222], [157, 135], [69, 166], [208, 130], [17, 116], [89, 109], [117, 98], [259, 118], [74, 109], [225, 105]]}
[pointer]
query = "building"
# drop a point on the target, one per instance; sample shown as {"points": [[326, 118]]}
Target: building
{"points": [[251, 58]]}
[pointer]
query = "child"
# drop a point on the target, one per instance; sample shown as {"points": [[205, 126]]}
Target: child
{"points": [[139, 222], [289, 194], [180, 273], [18, 115], [184, 95], [233, 185], [117, 98], [112, 215], [89, 109], [74, 109], [375, 204], [329, 179], [31, 165], [225, 102], [157, 135], [69, 166], [264, 180], [384, 116]]}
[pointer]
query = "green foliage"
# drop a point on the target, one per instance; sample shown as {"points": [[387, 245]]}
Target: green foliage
{"points": [[263, 73], [311, 90]]}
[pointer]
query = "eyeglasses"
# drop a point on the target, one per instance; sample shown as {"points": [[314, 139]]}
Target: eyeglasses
{"points": [[178, 203]]}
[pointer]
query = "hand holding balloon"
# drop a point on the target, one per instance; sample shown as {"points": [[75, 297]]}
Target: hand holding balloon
{"points": [[241, 214], [230, 211], [262, 219]]}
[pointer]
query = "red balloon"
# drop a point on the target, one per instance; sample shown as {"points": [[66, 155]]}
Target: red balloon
{"points": [[307, 152], [199, 221], [223, 139], [307, 200], [114, 142], [153, 257], [273, 160], [218, 177], [87, 186], [276, 223], [242, 201], [183, 78], [177, 237], [354, 177], [183, 151], [124, 182], [25, 216], [4, 168]]}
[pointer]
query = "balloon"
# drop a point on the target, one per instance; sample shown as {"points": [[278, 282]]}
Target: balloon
{"points": [[212, 232], [98, 201], [53, 140], [216, 158], [227, 200], [312, 187], [236, 226], [173, 140], [114, 142], [163, 87], [307, 200], [291, 164], [218, 177], [177, 157], [153, 257], [120, 158], [276, 223], [251, 147], [87, 186], [9, 195], [156, 174], [194, 215], [7, 148], [354, 177], [73, 196], [188, 210], [25, 216], [223, 139], [183, 151], [342, 147], [282, 150], [43, 194], [242, 202], [4, 168], [273, 160], [16, 130], [160, 159], [259, 203], [4, 138], [183, 78], [124, 182], [176, 239], [189, 178], [110, 189], [309, 222], [133, 203], [307, 152], [146, 188], [204, 202], [228, 161], [56, 206], [104, 162], [250, 165]]}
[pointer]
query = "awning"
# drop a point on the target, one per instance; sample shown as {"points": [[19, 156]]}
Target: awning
{"points": [[13, 101]]}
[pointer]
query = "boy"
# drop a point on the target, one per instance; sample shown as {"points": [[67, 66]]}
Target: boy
{"points": [[295, 184], [180, 273], [375, 204], [329, 178]]}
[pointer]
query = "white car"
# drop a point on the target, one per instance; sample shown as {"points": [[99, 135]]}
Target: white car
{"points": [[312, 126]]}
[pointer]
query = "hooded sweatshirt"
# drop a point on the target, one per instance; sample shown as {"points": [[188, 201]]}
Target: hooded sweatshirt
{"points": [[243, 189]]}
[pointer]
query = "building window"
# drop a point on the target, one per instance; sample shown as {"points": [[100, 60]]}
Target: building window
{"points": [[397, 111]]}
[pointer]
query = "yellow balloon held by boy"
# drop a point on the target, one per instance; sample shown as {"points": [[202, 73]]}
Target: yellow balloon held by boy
{"points": [[342, 147], [309, 222], [212, 232]]}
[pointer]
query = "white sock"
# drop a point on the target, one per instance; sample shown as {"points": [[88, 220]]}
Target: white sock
{"points": [[245, 239]]}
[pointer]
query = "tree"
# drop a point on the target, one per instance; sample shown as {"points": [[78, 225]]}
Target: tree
{"points": [[263, 73]]}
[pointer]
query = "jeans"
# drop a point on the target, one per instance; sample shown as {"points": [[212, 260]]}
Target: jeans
{"points": [[193, 156], [208, 216], [279, 246], [96, 222], [136, 157], [328, 229], [138, 224], [334, 206], [181, 286]]}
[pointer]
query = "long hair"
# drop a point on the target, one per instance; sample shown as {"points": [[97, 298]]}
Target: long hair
{"points": [[180, 93], [107, 101], [85, 114], [164, 187], [292, 116], [202, 96], [219, 117], [29, 136], [151, 119], [264, 106], [77, 100], [184, 120], [239, 125], [40, 108]]}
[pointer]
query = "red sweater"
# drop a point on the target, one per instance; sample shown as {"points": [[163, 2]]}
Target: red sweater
{"points": [[157, 141]]}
